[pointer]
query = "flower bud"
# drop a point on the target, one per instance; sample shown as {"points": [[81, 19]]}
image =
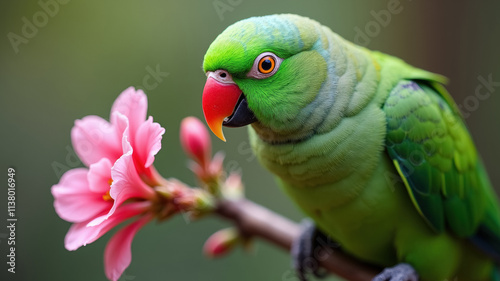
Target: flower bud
{"points": [[195, 140], [221, 242], [233, 187], [195, 200]]}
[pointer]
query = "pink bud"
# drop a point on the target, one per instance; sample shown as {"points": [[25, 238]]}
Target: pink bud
{"points": [[233, 187], [195, 140], [221, 242], [215, 167]]}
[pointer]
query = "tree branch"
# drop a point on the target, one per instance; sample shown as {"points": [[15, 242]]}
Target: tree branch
{"points": [[255, 220]]}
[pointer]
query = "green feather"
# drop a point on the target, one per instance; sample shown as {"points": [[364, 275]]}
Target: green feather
{"points": [[437, 159]]}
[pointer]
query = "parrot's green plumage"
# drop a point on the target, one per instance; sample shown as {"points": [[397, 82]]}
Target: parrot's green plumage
{"points": [[371, 148]]}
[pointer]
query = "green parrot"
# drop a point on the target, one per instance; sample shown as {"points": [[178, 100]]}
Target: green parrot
{"points": [[372, 149]]}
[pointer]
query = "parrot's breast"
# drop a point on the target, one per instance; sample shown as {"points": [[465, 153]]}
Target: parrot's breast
{"points": [[344, 158], [342, 180]]}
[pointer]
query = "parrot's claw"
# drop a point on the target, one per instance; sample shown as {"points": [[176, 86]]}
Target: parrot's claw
{"points": [[305, 250], [400, 272]]}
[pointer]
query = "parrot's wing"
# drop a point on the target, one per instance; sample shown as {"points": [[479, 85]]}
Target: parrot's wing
{"points": [[435, 157]]}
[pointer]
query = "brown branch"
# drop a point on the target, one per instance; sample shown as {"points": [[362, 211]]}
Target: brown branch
{"points": [[255, 220]]}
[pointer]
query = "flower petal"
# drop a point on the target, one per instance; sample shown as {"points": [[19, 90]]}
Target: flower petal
{"points": [[80, 234], [133, 104], [94, 138], [74, 201], [118, 252], [126, 184], [99, 176], [148, 142], [126, 181]]}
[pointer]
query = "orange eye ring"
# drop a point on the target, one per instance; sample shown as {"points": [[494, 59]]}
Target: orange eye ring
{"points": [[267, 64]]}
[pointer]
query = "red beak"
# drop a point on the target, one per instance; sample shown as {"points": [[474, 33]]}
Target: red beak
{"points": [[219, 101]]}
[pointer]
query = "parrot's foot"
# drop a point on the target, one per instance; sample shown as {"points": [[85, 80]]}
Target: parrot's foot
{"points": [[400, 272], [307, 250]]}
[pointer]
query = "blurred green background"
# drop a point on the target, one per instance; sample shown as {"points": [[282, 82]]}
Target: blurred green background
{"points": [[84, 54]]}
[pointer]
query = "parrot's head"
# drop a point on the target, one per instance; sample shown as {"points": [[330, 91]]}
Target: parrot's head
{"points": [[265, 71]]}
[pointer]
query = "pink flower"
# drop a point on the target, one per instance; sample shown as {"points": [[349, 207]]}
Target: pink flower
{"points": [[94, 138], [118, 183]]}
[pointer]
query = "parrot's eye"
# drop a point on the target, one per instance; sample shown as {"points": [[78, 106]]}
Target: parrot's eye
{"points": [[265, 65]]}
